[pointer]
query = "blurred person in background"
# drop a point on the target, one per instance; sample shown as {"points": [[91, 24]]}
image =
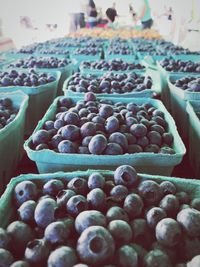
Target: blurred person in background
{"points": [[77, 15], [92, 15], [144, 14], [111, 13]]}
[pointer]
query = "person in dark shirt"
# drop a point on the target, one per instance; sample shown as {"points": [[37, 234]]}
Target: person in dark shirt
{"points": [[111, 13], [92, 14]]}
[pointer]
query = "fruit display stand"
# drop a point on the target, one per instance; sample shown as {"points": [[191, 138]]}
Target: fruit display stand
{"points": [[192, 187], [194, 136], [178, 100], [12, 137], [40, 98], [148, 93], [152, 163]]}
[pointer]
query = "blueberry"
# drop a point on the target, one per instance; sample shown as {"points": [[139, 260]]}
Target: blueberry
{"points": [[76, 204], [168, 232], [57, 233], [63, 256], [134, 149], [88, 129], [168, 188], [89, 218], [133, 205], [189, 219], [6, 258], [52, 187], [120, 231], [119, 139], [116, 213], [39, 137], [113, 149], [96, 199], [112, 124], [89, 97], [45, 212], [63, 196], [157, 258], [143, 141], [65, 102], [125, 175], [167, 138], [138, 130], [20, 234], [70, 132], [26, 211], [126, 256], [158, 128], [152, 148], [195, 204], [24, 191], [86, 141], [67, 146], [95, 246], [71, 118], [96, 180], [37, 251], [4, 239], [170, 204], [97, 144], [154, 215], [78, 185], [58, 124], [106, 111], [119, 192], [48, 125], [20, 264], [150, 191], [154, 138]]}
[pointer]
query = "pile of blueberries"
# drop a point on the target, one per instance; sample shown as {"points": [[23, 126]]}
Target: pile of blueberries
{"points": [[71, 42], [7, 112], [40, 62], [54, 51], [119, 49], [111, 65], [189, 84], [101, 127], [119, 220], [172, 65], [92, 51], [109, 83], [12, 77]]}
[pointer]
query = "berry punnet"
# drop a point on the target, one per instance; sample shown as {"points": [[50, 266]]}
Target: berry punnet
{"points": [[118, 218]]}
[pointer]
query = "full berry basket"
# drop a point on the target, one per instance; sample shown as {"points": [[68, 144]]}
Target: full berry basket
{"points": [[12, 137], [192, 187], [40, 98], [50, 161], [194, 136], [148, 93], [178, 98]]}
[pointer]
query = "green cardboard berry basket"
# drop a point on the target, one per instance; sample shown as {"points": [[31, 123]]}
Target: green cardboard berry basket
{"points": [[185, 57], [148, 93], [192, 187], [178, 99], [194, 136], [50, 161], [165, 94], [12, 138], [65, 71], [40, 98]]}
